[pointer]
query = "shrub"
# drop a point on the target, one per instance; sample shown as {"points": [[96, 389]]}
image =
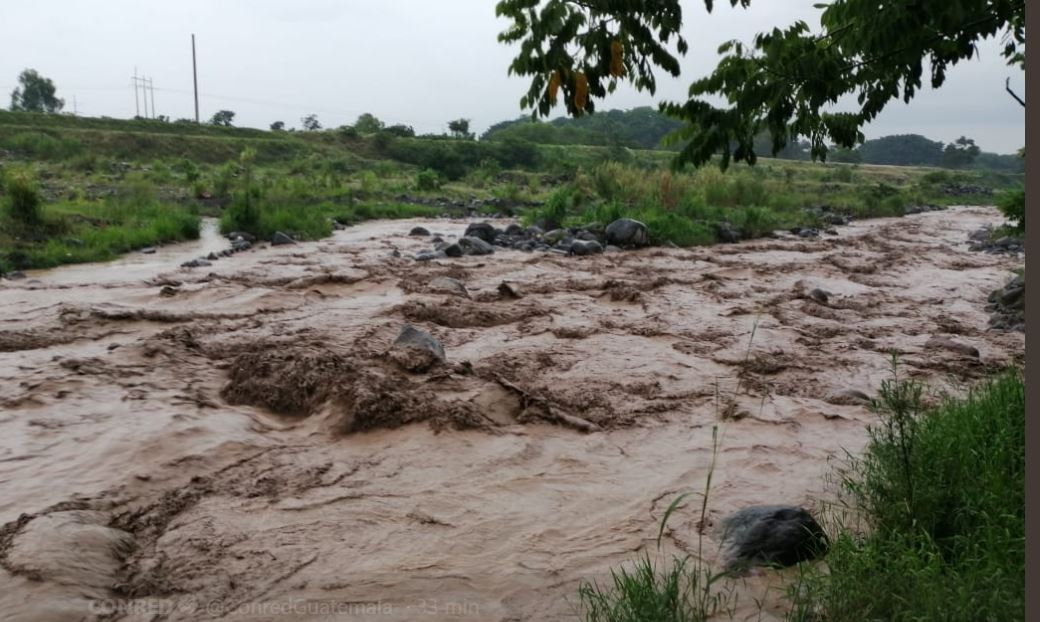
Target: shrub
{"points": [[427, 180], [1013, 205], [22, 202]]}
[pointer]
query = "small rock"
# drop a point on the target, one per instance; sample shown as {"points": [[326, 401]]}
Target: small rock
{"points": [[945, 343], [447, 285], [820, 296], [481, 230], [725, 233], [583, 248], [196, 263], [212, 256], [612, 249], [453, 250], [416, 350], [395, 253], [850, 397], [16, 275], [419, 231], [248, 237], [627, 232], [514, 229], [240, 245], [554, 236], [429, 255], [772, 535], [509, 290], [148, 250], [281, 239], [475, 246], [534, 231]]}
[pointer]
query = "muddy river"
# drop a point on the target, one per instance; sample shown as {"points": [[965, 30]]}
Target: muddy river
{"points": [[232, 441]]}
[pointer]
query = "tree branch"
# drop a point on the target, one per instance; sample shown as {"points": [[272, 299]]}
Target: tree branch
{"points": [[1007, 87]]}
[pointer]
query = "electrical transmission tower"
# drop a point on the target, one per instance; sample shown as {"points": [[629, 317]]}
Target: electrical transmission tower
{"points": [[147, 92]]}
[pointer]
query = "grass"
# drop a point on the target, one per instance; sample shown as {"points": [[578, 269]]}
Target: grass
{"points": [[940, 494]]}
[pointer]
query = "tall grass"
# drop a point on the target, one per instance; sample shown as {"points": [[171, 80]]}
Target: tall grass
{"points": [[940, 494]]}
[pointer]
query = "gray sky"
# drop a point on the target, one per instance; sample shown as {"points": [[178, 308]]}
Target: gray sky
{"points": [[419, 62]]}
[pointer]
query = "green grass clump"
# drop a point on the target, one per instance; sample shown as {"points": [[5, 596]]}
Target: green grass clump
{"points": [[22, 201], [942, 493]]}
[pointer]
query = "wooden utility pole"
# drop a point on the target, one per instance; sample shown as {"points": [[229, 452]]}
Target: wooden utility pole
{"points": [[151, 89], [195, 77], [137, 104]]}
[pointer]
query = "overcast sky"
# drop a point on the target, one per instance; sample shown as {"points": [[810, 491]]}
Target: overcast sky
{"points": [[418, 62]]}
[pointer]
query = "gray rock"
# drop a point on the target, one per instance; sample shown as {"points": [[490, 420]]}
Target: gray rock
{"points": [[281, 239], [514, 229], [612, 249], [212, 256], [725, 233], [771, 535], [240, 245], [534, 231], [453, 250], [248, 237], [475, 246], [627, 232], [554, 236], [481, 230], [945, 343], [447, 285], [196, 263], [416, 350], [419, 231], [819, 295], [584, 247], [15, 275], [148, 250], [430, 255], [507, 289]]}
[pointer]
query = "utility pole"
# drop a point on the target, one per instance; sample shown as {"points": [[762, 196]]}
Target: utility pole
{"points": [[151, 87], [137, 104], [75, 108], [195, 78]]}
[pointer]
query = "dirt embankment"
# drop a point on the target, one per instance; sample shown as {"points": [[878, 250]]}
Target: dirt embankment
{"points": [[235, 441]]}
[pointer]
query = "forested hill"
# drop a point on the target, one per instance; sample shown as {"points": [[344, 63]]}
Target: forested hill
{"points": [[646, 128]]}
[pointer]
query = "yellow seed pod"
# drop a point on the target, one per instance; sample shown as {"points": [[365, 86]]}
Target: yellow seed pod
{"points": [[581, 91], [617, 58], [554, 86]]}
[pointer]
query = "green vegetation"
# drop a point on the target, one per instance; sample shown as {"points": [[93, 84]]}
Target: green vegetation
{"points": [[1013, 205], [35, 93], [303, 183], [42, 235], [941, 493]]}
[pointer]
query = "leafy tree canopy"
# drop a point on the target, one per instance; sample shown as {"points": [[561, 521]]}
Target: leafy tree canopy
{"points": [[310, 123], [367, 123], [459, 128], [960, 153], [222, 118], [278, 126], [784, 83], [35, 93]]}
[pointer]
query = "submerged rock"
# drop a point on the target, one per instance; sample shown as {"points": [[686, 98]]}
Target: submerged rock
{"points": [[945, 343], [281, 239], [481, 230], [447, 285], [585, 247], [416, 350], [419, 231], [453, 250], [772, 535], [627, 232]]}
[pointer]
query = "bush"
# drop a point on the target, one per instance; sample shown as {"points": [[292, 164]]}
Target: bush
{"points": [[1013, 205], [427, 180], [942, 492], [22, 203]]}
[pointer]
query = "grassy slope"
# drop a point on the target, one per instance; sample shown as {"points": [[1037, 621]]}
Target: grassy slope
{"points": [[304, 179]]}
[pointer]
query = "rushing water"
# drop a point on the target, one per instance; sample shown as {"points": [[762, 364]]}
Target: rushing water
{"points": [[111, 404]]}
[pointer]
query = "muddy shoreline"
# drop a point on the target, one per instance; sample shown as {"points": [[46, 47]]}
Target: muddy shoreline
{"points": [[136, 473]]}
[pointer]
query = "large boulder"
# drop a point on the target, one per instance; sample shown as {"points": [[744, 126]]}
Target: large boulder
{"points": [[483, 231], [585, 247], [771, 535], [416, 350], [475, 246], [419, 231], [627, 232]]}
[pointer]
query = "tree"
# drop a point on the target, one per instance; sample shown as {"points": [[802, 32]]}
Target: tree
{"points": [[400, 130], [278, 126], [459, 128], [310, 123], [368, 124], [222, 118], [36, 94], [784, 82], [902, 150], [961, 153]]}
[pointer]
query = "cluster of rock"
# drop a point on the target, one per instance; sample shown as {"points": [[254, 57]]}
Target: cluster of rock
{"points": [[921, 209], [984, 240], [240, 241], [959, 190], [472, 205], [484, 238], [1007, 306]]}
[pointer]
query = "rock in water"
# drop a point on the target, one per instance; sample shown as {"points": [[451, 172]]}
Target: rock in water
{"points": [[945, 343], [447, 285], [584, 247], [416, 350], [820, 296], [483, 231], [453, 250], [627, 232], [475, 246], [772, 535], [280, 239], [419, 231]]}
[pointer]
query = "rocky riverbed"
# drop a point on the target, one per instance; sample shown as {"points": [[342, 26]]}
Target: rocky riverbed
{"points": [[263, 434]]}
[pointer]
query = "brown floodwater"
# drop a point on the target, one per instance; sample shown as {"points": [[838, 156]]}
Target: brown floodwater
{"points": [[186, 444]]}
